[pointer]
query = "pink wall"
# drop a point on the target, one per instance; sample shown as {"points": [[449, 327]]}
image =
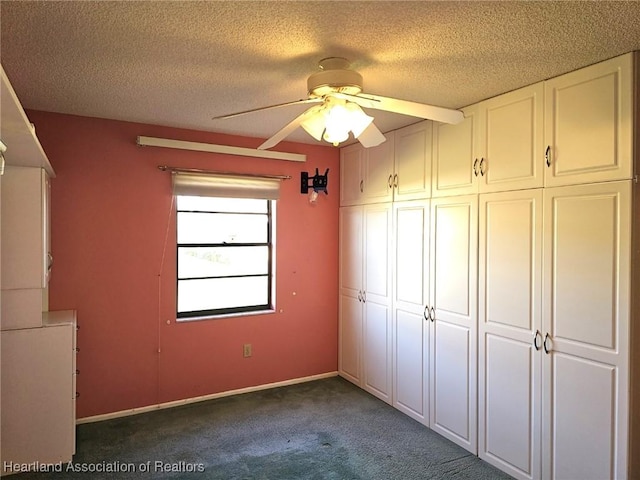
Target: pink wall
{"points": [[110, 217]]}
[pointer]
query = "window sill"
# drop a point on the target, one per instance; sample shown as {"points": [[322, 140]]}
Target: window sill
{"points": [[226, 315]]}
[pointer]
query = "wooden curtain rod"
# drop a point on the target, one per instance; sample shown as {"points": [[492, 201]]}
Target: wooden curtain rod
{"points": [[165, 168]]}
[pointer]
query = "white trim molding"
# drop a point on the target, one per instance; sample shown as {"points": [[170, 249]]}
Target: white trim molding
{"points": [[212, 396]]}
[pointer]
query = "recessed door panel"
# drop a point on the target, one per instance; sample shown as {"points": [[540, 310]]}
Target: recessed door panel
{"points": [[510, 245], [377, 350], [410, 252], [452, 229], [509, 403], [451, 381], [350, 338], [583, 418], [410, 363], [584, 283], [377, 221]]}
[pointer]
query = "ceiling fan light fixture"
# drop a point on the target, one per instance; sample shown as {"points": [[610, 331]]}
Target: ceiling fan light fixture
{"points": [[358, 119], [314, 124]]}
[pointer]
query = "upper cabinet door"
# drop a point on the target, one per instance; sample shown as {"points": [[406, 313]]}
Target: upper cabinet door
{"points": [[351, 182], [588, 124], [455, 156], [377, 172], [412, 176], [511, 141]]}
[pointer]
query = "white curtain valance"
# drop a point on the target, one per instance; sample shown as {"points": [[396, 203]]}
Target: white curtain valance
{"points": [[225, 185]]}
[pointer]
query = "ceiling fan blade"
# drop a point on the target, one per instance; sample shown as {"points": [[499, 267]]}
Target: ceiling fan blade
{"points": [[296, 102], [371, 136], [288, 128], [413, 109]]}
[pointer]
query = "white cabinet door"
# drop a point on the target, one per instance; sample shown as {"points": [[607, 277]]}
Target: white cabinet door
{"points": [[37, 395], [351, 182], [453, 348], [378, 172], [350, 299], [455, 156], [24, 228], [410, 309], [586, 322], [377, 301], [511, 141], [589, 124], [412, 178], [509, 322], [366, 174]]}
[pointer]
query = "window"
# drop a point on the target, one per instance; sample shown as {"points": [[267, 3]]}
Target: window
{"points": [[225, 255]]}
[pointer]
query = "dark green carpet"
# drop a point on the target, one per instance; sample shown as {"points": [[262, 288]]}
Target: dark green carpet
{"points": [[327, 429]]}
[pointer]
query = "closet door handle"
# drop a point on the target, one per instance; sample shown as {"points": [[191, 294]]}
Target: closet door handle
{"points": [[475, 167], [426, 314], [432, 314], [544, 344], [395, 180], [361, 186], [482, 170], [359, 296], [547, 156], [389, 181], [535, 340], [364, 297]]}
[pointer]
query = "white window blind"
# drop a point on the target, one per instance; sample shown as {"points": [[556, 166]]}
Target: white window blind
{"points": [[225, 185]]}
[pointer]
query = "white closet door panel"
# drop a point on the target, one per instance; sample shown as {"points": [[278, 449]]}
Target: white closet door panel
{"points": [[377, 244], [454, 150], [511, 259], [586, 372], [510, 314], [350, 338], [411, 247], [454, 259], [410, 298], [584, 259], [454, 329], [351, 258], [377, 350], [410, 379], [351, 160], [413, 161], [510, 406], [377, 167], [513, 140], [583, 419], [450, 386], [589, 122]]}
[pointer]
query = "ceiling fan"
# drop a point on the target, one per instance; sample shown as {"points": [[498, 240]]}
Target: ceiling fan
{"points": [[338, 92]]}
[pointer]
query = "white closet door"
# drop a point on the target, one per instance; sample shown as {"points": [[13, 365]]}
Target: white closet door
{"points": [[349, 302], [589, 123], [509, 322], [453, 349], [586, 318], [377, 343], [410, 305]]}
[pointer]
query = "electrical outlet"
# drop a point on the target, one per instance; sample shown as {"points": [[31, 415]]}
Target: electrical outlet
{"points": [[246, 350]]}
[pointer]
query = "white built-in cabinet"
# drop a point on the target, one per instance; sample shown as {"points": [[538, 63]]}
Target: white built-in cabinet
{"points": [[397, 169], [497, 147], [37, 347], [365, 298], [514, 279]]}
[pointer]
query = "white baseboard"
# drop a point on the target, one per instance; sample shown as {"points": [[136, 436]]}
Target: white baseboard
{"points": [[186, 401]]}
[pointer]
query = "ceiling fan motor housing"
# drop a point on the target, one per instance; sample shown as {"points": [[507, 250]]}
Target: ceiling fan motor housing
{"points": [[334, 77]]}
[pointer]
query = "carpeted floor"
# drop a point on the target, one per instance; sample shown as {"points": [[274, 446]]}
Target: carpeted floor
{"points": [[326, 429]]}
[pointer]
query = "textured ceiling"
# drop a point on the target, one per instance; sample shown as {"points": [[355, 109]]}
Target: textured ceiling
{"points": [[181, 63]]}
